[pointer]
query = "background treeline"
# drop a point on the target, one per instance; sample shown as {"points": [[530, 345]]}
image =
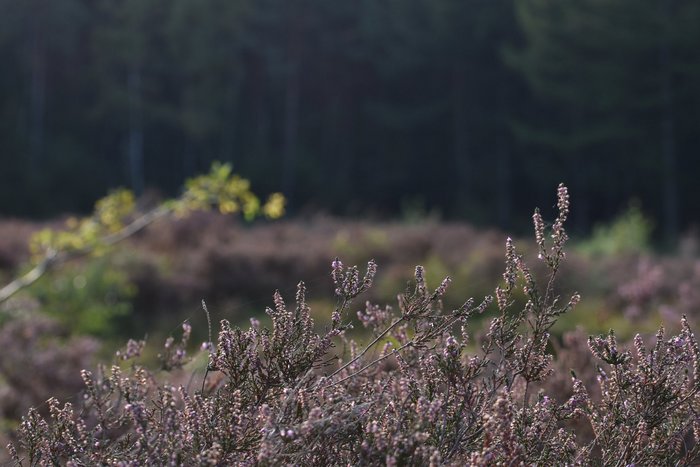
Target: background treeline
{"points": [[473, 107]]}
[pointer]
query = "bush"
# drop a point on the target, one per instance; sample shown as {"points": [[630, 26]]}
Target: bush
{"points": [[629, 233], [89, 299], [428, 389]]}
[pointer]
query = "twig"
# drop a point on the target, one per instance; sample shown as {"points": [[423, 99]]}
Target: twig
{"points": [[372, 363], [369, 346]]}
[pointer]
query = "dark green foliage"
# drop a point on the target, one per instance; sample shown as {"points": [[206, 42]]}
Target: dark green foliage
{"points": [[92, 300], [410, 100]]}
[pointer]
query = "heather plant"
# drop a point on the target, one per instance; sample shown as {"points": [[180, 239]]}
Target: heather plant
{"points": [[428, 387]]}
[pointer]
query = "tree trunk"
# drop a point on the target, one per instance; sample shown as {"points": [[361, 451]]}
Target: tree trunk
{"points": [[135, 141], [668, 142], [460, 150], [503, 197], [260, 131], [291, 114], [581, 213], [189, 158], [339, 156], [229, 128], [37, 106], [578, 166]]}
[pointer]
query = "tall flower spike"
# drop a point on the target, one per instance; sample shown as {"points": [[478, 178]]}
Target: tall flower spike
{"points": [[442, 288], [539, 233], [563, 202], [337, 275], [558, 233], [694, 350], [511, 271], [420, 280], [501, 298], [301, 296], [369, 275], [509, 275]]}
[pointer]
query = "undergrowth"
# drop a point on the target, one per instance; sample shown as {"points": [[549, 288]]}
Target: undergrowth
{"points": [[429, 388]]}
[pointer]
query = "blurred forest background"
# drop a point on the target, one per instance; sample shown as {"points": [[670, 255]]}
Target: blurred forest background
{"points": [[473, 109]]}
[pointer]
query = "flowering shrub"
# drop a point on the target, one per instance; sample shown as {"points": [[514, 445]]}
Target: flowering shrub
{"points": [[428, 388]]}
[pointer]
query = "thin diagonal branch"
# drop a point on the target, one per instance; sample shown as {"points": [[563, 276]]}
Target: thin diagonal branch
{"points": [[53, 257]]}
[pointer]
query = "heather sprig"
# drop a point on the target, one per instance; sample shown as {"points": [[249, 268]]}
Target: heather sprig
{"points": [[175, 354], [649, 401]]}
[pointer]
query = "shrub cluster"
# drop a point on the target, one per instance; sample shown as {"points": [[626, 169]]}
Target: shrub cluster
{"points": [[427, 388]]}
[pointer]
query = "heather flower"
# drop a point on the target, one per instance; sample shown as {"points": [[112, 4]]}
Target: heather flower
{"points": [[374, 316], [420, 280], [369, 275], [563, 202], [337, 275], [559, 235], [511, 265], [501, 298], [575, 299], [133, 349], [606, 349], [539, 231], [442, 288], [347, 281]]}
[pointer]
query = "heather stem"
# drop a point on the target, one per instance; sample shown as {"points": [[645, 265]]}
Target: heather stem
{"points": [[372, 363], [369, 346]]}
